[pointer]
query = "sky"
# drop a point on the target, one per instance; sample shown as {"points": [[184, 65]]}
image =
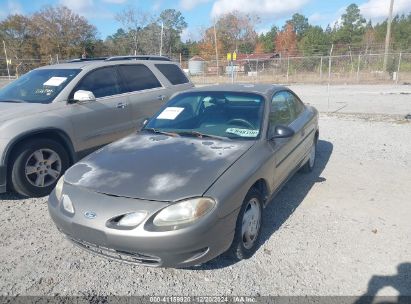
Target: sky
{"points": [[199, 14]]}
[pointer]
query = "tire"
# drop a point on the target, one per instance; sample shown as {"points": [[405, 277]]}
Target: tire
{"points": [[33, 177], [310, 164], [241, 248]]}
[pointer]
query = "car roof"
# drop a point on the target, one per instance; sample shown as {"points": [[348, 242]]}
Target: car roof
{"points": [[259, 88], [99, 63]]}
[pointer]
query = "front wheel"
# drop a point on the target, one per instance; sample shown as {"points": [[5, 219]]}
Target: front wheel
{"points": [[248, 227], [37, 166]]}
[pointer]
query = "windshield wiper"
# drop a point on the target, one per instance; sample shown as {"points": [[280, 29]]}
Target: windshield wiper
{"points": [[160, 132], [14, 100], [201, 135]]}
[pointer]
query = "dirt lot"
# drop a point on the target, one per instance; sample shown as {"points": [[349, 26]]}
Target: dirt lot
{"points": [[342, 230]]}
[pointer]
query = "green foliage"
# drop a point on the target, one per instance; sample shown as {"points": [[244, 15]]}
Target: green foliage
{"points": [[300, 24], [314, 42], [352, 27], [267, 40]]}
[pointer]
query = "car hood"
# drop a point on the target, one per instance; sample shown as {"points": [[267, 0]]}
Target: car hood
{"points": [[157, 167], [11, 110]]}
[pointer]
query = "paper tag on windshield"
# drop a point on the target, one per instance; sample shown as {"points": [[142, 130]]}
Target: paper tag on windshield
{"points": [[243, 132], [55, 81], [170, 113]]}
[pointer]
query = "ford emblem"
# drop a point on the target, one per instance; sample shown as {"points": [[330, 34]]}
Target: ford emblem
{"points": [[90, 215]]}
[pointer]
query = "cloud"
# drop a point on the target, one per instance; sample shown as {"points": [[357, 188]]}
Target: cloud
{"points": [[262, 8], [89, 9], [78, 6], [190, 4], [377, 10]]}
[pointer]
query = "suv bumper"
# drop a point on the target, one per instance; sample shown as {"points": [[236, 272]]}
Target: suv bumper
{"points": [[3, 179]]}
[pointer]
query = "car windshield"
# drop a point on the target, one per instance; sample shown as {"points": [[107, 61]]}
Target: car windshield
{"points": [[38, 86], [211, 114]]}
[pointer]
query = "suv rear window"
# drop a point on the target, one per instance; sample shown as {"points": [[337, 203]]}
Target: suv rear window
{"points": [[138, 77], [173, 73]]}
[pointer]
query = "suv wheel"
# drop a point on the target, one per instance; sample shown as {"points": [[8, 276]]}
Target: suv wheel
{"points": [[37, 166]]}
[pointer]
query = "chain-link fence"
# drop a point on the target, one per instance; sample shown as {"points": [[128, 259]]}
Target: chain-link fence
{"points": [[360, 68], [350, 69]]}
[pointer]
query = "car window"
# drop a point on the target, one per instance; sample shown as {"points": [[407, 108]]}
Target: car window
{"points": [[173, 73], [102, 82], [38, 86], [296, 105], [281, 112], [138, 77], [236, 115]]}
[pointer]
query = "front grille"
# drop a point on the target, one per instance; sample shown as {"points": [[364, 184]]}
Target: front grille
{"points": [[119, 255]]}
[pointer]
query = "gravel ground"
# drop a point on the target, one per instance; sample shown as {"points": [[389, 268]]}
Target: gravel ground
{"points": [[341, 230]]}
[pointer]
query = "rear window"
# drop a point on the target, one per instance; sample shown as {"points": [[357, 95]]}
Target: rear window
{"points": [[138, 77], [173, 73]]}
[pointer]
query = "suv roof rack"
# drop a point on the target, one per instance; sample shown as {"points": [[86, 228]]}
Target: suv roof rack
{"points": [[138, 57], [87, 59]]}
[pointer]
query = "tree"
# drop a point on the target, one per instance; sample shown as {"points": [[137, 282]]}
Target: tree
{"points": [[118, 43], [59, 30], [352, 26], [206, 47], [237, 31], [286, 41], [174, 24], [314, 42], [16, 31], [267, 40], [134, 20], [299, 23]]}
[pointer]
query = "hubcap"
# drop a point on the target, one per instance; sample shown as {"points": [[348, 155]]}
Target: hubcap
{"points": [[43, 168], [312, 156], [251, 223]]}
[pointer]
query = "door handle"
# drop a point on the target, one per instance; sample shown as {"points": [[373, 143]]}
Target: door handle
{"points": [[121, 105], [161, 97]]}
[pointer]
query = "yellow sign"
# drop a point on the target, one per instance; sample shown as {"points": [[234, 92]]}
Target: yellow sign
{"points": [[234, 56], [229, 56]]}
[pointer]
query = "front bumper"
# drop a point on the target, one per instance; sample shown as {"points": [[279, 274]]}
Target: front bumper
{"points": [[3, 179], [193, 245]]}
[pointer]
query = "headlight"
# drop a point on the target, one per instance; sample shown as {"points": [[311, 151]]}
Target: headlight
{"points": [[184, 212], [67, 204], [132, 219], [59, 187]]}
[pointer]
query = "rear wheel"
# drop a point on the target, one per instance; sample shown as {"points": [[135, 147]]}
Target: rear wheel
{"points": [[248, 227], [37, 166], [309, 165]]}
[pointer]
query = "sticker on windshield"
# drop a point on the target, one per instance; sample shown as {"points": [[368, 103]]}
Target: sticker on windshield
{"points": [[55, 81], [170, 113], [243, 132]]}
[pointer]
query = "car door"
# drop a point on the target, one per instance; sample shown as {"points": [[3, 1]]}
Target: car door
{"points": [[283, 148], [106, 119], [145, 93], [303, 132]]}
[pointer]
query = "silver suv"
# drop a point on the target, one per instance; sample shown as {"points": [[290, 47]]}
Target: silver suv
{"points": [[55, 115]]}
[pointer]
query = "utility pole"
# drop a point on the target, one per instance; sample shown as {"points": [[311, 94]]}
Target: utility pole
{"points": [[161, 38], [388, 36], [7, 60], [216, 47]]}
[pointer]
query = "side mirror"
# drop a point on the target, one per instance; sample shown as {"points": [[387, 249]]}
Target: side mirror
{"points": [[82, 96], [282, 132]]}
